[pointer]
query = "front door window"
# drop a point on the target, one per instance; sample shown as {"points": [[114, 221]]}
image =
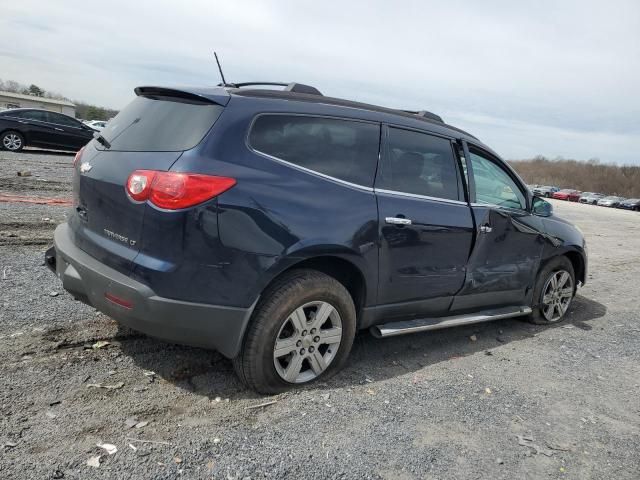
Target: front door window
{"points": [[494, 186]]}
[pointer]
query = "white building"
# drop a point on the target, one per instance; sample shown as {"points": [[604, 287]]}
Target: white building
{"points": [[17, 100]]}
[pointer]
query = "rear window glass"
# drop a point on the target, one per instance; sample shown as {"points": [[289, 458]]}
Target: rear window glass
{"points": [[419, 164], [167, 125], [40, 115], [343, 149], [62, 120]]}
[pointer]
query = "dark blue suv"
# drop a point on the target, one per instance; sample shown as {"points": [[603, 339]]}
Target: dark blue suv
{"points": [[271, 225]]}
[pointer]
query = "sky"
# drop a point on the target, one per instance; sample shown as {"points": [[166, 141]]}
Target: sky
{"points": [[553, 78]]}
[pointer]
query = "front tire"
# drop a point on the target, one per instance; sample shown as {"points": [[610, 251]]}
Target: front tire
{"points": [[554, 292], [302, 330], [12, 141]]}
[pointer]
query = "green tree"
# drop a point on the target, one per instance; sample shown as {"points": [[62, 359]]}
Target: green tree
{"points": [[35, 90]]}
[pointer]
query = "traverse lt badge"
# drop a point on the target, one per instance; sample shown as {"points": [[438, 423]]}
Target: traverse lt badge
{"points": [[85, 167]]}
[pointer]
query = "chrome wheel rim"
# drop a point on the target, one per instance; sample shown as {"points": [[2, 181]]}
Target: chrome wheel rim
{"points": [[11, 141], [307, 342], [557, 295]]}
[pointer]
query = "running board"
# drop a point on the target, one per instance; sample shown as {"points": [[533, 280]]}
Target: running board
{"points": [[423, 324]]}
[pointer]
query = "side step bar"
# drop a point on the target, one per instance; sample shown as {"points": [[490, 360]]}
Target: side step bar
{"points": [[423, 324]]}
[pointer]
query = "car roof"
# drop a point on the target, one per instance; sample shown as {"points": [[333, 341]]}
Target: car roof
{"points": [[32, 110], [21, 110], [339, 102], [222, 95]]}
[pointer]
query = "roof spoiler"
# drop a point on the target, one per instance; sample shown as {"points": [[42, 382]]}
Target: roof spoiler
{"points": [[187, 95]]}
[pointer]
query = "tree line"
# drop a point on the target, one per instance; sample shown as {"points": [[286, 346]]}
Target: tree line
{"points": [[589, 176], [84, 111]]}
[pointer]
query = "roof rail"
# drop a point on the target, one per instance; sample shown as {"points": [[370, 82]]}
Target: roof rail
{"points": [[425, 114], [289, 87]]}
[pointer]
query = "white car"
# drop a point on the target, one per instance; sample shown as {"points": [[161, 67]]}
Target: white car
{"points": [[96, 124]]}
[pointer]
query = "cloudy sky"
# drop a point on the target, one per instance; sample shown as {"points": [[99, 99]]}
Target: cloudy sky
{"points": [[557, 78]]}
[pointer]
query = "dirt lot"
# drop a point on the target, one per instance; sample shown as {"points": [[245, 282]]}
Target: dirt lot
{"points": [[521, 401]]}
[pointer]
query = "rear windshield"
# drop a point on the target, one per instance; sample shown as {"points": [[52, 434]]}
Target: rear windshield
{"points": [[160, 125]]}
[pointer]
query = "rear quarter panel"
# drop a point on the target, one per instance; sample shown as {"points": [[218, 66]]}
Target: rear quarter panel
{"points": [[274, 217]]}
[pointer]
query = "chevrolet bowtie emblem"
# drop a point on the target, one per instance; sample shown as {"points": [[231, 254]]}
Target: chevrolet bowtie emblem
{"points": [[85, 167]]}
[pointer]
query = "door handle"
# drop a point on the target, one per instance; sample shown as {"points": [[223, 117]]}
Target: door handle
{"points": [[485, 229], [398, 221], [59, 129]]}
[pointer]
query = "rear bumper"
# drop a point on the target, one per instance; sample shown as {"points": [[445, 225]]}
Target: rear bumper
{"points": [[197, 324]]}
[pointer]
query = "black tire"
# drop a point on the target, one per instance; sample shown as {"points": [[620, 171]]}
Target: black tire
{"points": [[553, 266], [5, 141], [255, 364]]}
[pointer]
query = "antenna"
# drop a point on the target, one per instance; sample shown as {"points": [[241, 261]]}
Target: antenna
{"points": [[224, 82]]}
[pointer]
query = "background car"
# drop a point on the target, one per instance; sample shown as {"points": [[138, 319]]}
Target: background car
{"points": [[545, 191], [27, 127], [567, 194], [591, 197], [631, 204], [611, 201], [96, 124]]}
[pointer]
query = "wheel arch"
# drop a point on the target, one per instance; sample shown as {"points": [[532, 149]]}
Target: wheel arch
{"points": [[579, 265], [577, 259], [341, 267]]}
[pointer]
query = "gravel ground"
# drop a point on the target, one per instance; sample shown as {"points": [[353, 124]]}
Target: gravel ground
{"points": [[431, 405]]}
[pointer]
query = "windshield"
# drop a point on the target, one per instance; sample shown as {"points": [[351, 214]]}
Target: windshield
{"points": [[160, 125]]}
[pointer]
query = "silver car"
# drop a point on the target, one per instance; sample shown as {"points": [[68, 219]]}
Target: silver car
{"points": [[611, 201], [591, 197]]}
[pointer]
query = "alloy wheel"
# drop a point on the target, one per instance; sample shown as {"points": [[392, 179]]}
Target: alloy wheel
{"points": [[307, 342], [11, 141], [557, 295]]}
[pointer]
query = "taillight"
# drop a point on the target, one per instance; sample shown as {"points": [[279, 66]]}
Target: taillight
{"points": [[76, 159], [174, 190]]}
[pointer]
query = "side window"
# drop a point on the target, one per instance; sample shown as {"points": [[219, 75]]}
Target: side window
{"points": [[494, 186], [343, 149], [419, 163], [39, 115], [14, 114], [61, 120]]}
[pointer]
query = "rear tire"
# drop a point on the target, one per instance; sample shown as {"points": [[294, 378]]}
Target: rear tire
{"points": [[12, 141], [554, 292], [286, 344]]}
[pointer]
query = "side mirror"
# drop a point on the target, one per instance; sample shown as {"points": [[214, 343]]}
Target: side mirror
{"points": [[541, 207]]}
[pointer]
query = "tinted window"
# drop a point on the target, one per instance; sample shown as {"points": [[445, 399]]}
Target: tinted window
{"points": [[62, 120], [343, 149], [419, 163], [40, 115], [12, 113], [160, 125], [494, 186]]}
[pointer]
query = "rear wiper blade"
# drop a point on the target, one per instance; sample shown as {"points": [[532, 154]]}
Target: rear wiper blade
{"points": [[105, 143]]}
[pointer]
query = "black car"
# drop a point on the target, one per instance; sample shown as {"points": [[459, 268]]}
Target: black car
{"points": [[273, 225], [28, 127], [630, 204]]}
